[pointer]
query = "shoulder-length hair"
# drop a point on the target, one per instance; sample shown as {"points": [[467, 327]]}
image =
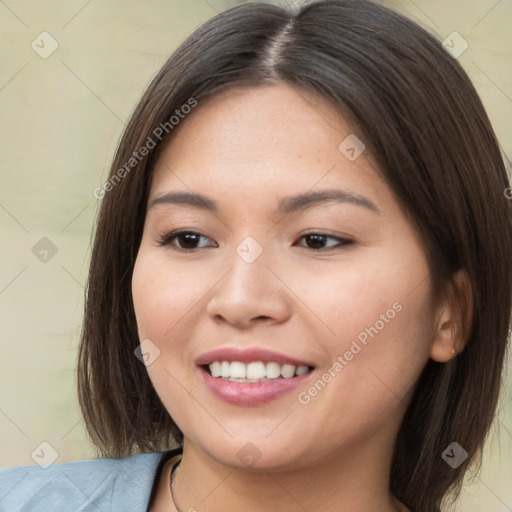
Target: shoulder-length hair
{"points": [[424, 124]]}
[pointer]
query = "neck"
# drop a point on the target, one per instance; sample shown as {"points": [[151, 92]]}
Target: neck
{"points": [[347, 480]]}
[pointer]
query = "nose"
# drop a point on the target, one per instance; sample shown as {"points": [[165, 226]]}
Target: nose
{"points": [[250, 293]]}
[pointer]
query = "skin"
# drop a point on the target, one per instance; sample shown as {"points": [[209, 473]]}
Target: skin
{"points": [[247, 149]]}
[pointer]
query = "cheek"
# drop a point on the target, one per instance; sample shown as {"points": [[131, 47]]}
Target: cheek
{"points": [[164, 299], [169, 298], [163, 296], [381, 320], [379, 317]]}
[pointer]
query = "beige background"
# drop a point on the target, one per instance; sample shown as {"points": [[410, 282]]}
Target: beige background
{"points": [[61, 120]]}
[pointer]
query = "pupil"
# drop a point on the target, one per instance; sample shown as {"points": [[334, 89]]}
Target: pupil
{"points": [[317, 241], [189, 239]]}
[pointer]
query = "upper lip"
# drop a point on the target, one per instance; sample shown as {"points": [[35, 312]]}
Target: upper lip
{"points": [[248, 355]]}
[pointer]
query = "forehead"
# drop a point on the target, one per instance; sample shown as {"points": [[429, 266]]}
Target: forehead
{"points": [[264, 141]]}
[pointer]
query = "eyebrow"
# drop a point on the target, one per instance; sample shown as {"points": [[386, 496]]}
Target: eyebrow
{"points": [[286, 205]]}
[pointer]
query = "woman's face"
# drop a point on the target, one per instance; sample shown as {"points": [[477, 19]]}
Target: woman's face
{"points": [[279, 275]]}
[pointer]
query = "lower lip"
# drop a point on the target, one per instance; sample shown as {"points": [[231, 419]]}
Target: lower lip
{"points": [[251, 393]]}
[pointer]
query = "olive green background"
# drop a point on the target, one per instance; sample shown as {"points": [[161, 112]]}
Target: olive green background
{"points": [[61, 119]]}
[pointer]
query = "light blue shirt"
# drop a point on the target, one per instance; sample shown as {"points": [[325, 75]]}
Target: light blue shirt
{"points": [[102, 485]]}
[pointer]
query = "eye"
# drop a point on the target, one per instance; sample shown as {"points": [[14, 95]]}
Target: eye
{"points": [[187, 240], [317, 241]]}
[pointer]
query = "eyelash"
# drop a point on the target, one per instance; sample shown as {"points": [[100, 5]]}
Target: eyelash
{"points": [[167, 239]]}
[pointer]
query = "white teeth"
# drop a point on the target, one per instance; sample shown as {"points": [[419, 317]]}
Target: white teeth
{"points": [[301, 370], [287, 371], [273, 370], [237, 370], [215, 369], [225, 369], [256, 371]]}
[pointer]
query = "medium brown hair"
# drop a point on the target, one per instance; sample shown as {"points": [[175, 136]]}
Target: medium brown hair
{"points": [[425, 126]]}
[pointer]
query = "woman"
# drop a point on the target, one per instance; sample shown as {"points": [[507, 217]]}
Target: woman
{"points": [[296, 278]]}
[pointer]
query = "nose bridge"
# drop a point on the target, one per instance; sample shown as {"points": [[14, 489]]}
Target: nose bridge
{"points": [[250, 267], [250, 289], [250, 276]]}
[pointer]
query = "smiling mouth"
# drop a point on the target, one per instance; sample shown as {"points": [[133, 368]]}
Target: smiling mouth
{"points": [[254, 372]]}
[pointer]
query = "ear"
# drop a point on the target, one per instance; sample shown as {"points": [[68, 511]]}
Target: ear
{"points": [[454, 316]]}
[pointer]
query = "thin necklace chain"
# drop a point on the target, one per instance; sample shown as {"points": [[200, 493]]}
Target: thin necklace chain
{"points": [[174, 471]]}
